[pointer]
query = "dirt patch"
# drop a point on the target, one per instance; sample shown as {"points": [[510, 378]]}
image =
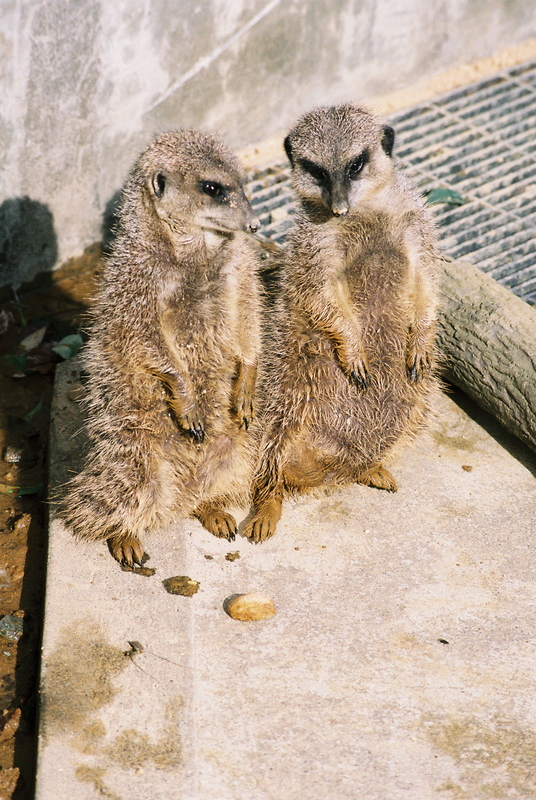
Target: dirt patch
{"points": [[79, 678], [32, 323], [493, 758]]}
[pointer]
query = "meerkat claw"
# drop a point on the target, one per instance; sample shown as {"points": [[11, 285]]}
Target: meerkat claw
{"points": [[419, 368], [198, 434], [361, 380]]}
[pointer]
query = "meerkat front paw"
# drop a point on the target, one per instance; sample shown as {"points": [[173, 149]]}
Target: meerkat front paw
{"points": [[192, 424], [182, 402], [217, 521], [244, 394], [244, 409], [128, 550], [359, 375], [189, 420], [418, 365], [354, 364]]}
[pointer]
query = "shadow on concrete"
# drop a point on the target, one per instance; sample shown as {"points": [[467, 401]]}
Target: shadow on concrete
{"points": [[57, 300], [28, 242], [515, 447], [110, 219]]}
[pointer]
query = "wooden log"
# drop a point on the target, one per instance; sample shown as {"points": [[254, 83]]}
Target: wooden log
{"points": [[487, 346]]}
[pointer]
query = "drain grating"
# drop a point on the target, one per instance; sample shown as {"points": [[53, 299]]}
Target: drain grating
{"points": [[479, 141]]}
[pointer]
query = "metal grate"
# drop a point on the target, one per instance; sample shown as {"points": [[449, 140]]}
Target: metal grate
{"points": [[479, 141]]}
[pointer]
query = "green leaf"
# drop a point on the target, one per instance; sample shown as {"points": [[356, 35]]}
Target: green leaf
{"points": [[19, 362], [69, 346], [20, 490], [63, 351], [440, 195], [29, 490], [27, 417]]}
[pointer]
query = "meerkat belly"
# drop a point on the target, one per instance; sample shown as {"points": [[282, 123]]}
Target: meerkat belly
{"points": [[226, 465], [345, 425]]}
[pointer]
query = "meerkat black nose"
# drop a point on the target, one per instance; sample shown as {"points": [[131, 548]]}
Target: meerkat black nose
{"points": [[340, 210], [339, 198], [253, 225]]}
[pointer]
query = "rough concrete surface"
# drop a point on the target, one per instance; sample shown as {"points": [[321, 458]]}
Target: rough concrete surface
{"points": [[400, 663]]}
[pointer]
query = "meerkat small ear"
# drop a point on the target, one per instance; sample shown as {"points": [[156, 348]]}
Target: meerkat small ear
{"points": [[388, 139], [288, 149], [158, 182]]}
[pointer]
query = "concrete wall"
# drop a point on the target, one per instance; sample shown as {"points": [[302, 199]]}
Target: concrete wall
{"points": [[84, 84]]}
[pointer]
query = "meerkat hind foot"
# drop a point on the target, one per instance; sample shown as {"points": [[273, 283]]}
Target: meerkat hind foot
{"points": [[217, 521], [128, 550], [379, 477], [264, 521]]}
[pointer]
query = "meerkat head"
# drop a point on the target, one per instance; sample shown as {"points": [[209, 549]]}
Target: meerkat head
{"points": [[194, 185], [340, 157]]}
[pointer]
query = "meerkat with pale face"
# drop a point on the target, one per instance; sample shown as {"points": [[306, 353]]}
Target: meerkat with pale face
{"points": [[172, 352], [351, 362]]}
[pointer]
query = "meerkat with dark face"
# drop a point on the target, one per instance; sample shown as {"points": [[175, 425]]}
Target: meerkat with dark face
{"points": [[350, 364], [172, 352]]}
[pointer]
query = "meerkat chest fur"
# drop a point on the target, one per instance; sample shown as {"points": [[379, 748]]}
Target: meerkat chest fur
{"points": [[360, 265], [210, 290]]}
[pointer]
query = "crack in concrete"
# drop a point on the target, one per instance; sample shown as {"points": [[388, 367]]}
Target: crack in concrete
{"points": [[207, 60]]}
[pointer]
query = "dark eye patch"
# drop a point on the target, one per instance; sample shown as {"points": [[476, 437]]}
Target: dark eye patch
{"points": [[315, 171], [214, 190], [355, 166]]}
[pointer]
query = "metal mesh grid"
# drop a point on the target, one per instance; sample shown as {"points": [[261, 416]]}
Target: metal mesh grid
{"points": [[479, 141]]}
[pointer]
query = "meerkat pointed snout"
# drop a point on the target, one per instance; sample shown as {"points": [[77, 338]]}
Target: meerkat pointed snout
{"points": [[172, 353], [348, 159]]}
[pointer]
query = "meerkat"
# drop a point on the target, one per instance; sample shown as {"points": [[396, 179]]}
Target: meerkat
{"points": [[350, 373], [172, 352]]}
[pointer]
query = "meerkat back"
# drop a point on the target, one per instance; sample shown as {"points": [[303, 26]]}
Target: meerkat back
{"points": [[172, 351], [360, 298]]}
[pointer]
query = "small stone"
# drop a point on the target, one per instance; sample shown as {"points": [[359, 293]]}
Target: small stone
{"points": [[22, 524], [467, 467], [249, 606], [13, 455], [232, 556], [181, 584], [11, 627]]}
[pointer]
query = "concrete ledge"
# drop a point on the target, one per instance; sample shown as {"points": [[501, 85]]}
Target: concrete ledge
{"points": [[399, 664]]}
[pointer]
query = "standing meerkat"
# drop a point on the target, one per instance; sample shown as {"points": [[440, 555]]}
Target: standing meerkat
{"points": [[172, 352], [350, 369]]}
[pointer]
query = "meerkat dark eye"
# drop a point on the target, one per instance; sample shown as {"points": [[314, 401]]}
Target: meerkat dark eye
{"points": [[354, 167], [214, 190], [159, 184], [315, 171]]}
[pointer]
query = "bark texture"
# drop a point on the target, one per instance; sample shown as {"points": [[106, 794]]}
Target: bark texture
{"points": [[487, 346]]}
